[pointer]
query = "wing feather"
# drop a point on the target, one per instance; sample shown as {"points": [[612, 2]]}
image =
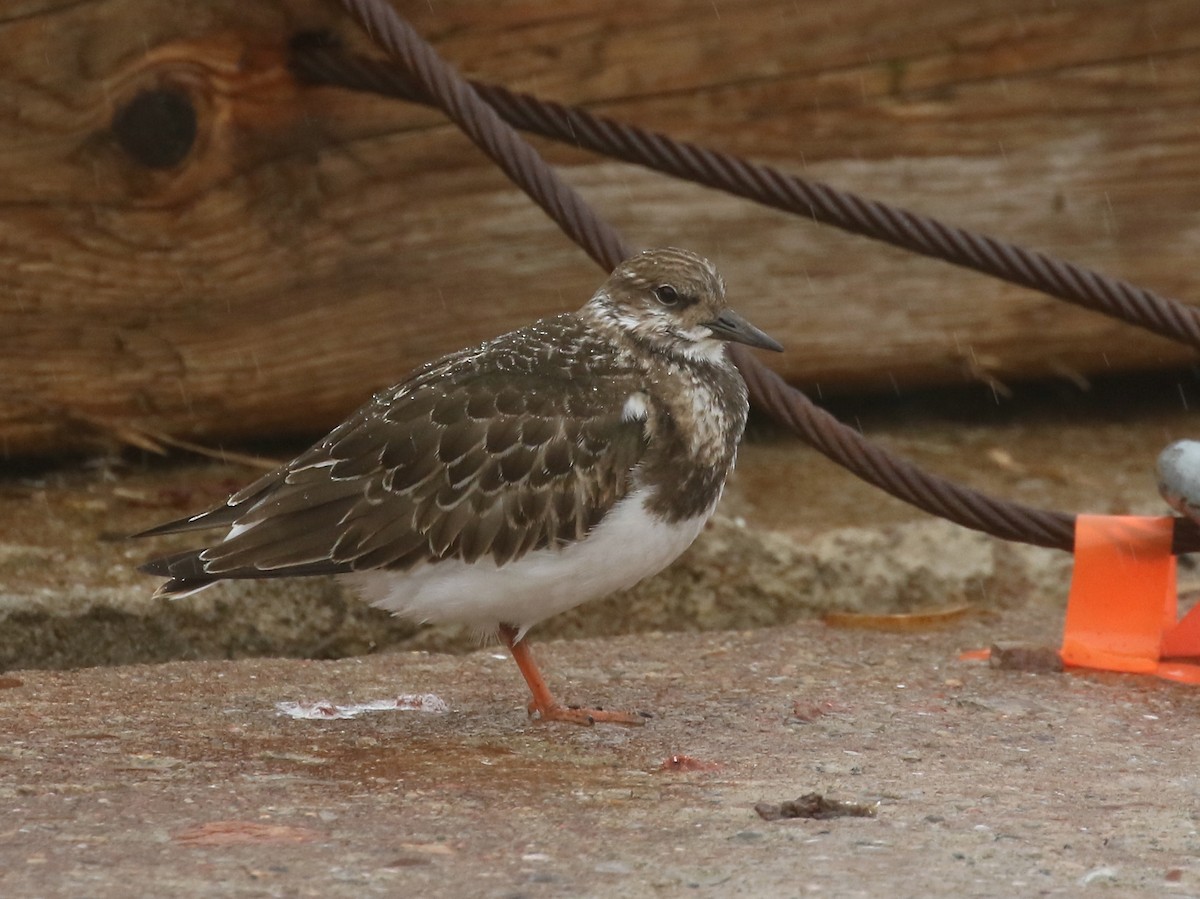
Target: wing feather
{"points": [[459, 462]]}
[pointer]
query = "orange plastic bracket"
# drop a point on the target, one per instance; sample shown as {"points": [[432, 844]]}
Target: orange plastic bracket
{"points": [[1122, 608]]}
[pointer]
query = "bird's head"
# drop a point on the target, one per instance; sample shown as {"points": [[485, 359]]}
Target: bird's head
{"points": [[673, 301]]}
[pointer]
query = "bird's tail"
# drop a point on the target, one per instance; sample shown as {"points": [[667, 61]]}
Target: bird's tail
{"points": [[185, 573]]}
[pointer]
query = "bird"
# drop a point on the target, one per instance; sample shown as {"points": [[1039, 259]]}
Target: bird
{"points": [[1178, 470], [504, 483]]}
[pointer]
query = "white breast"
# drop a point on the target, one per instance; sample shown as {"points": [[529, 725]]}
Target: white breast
{"points": [[628, 545]]}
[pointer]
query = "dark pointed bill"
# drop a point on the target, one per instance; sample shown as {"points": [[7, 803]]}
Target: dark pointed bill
{"points": [[731, 326]]}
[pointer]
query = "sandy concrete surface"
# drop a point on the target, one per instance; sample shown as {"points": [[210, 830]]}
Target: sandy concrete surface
{"points": [[184, 780]]}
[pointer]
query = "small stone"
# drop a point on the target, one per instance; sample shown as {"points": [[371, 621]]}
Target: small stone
{"points": [[1025, 657]]}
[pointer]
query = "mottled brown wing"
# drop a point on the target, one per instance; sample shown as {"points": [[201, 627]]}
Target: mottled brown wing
{"points": [[492, 464]]}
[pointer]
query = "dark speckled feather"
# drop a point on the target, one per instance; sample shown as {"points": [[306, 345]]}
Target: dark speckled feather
{"points": [[522, 444], [433, 469]]}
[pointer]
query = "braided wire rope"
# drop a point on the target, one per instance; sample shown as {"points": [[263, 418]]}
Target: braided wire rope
{"points": [[770, 187], [457, 98], [483, 125]]}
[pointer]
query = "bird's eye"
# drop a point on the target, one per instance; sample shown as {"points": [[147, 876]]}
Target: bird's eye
{"points": [[666, 294]]}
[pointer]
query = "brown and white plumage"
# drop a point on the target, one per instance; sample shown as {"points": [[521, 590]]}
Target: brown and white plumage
{"points": [[472, 457], [504, 483]]}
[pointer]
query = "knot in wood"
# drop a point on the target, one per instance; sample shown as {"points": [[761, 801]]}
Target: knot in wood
{"points": [[157, 128]]}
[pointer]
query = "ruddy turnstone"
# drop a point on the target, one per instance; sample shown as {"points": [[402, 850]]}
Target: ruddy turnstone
{"points": [[505, 483]]}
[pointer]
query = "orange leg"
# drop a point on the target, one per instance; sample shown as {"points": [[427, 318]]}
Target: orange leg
{"points": [[543, 704]]}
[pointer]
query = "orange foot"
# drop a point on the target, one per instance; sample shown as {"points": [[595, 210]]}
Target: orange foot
{"points": [[586, 717], [543, 705]]}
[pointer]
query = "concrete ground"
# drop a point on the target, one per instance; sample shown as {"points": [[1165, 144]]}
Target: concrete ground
{"points": [[184, 778]]}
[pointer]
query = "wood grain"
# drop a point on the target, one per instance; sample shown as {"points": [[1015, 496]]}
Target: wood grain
{"points": [[314, 245]]}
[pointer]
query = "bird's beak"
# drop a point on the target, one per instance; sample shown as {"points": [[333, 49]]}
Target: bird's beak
{"points": [[731, 326]]}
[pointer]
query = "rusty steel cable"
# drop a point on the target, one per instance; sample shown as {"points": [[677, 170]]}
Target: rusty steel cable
{"points": [[451, 93], [516, 158], [770, 187], [899, 477]]}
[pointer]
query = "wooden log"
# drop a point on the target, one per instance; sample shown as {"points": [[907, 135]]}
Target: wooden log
{"points": [[193, 244]]}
